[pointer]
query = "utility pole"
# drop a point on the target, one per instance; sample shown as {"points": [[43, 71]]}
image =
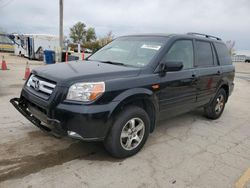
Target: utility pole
{"points": [[60, 29]]}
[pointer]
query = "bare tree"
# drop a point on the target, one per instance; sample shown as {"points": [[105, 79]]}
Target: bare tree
{"points": [[110, 36], [230, 45], [106, 39]]}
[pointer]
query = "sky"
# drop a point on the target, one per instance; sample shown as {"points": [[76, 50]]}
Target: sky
{"points": [[227, 19]]}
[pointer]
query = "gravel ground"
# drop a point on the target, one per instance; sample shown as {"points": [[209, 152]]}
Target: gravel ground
{"points": [[185, 151]]}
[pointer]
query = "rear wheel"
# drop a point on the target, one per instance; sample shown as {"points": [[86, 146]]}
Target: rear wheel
{"points": [[129, 132], [216, 107]]}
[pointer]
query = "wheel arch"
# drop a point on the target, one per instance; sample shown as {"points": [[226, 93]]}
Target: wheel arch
{"points": [[226, 88], [140, 97]]}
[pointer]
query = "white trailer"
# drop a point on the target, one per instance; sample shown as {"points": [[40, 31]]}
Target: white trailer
{"points": [[33, 45], [20, 45]]}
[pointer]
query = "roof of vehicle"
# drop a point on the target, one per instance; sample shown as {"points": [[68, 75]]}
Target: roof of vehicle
{"points": [[198, 36]]}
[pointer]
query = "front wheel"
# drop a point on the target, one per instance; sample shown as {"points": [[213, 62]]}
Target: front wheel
{"points": [[216, 107], [129, 132]]}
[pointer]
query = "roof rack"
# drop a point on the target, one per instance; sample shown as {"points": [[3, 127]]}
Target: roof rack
{"points": [[204, 35]]}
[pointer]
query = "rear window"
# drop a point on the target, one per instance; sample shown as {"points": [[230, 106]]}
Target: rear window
{"points": [[223, 54], [204, 54]]}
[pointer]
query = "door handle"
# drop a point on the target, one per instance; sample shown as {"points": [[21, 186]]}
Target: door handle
{"points": [[218, 72], [194, 78]]}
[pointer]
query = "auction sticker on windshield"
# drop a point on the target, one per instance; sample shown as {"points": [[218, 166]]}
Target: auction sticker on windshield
{"points": [[150, 46]]}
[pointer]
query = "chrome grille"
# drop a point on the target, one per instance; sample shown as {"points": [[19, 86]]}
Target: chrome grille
{"points": [[40, 85]]}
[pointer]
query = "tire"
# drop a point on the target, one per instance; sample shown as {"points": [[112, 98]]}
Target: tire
{"points": [[127, 144], [216, 107]]}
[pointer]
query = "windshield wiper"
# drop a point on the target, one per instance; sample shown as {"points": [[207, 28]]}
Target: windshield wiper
{"points": [[113, 63]]}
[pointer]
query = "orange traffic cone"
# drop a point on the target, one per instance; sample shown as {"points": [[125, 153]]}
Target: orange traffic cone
{"points": [[4, 65], [66, 57], [27, 71]]}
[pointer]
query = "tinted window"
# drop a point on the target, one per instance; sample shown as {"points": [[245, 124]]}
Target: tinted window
{"points": [[204, 54], [223, 54], [182, 50]]}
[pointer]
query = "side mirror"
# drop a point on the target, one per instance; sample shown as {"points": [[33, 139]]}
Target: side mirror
{"points": [[171, 66]]}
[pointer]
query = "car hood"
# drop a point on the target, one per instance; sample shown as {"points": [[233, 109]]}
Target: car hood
{"points": [[66, 73]]}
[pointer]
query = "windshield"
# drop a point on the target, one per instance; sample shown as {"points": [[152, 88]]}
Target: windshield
{"points": [[131, 51]]}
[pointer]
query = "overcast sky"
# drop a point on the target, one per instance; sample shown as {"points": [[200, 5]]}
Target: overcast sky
{"points": [[228, 19]]}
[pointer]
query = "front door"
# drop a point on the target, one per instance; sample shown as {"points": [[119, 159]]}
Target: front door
{"points": [[178, 89]]}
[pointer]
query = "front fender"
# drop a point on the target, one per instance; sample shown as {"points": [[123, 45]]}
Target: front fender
{"points": [[136, 94], [131, 92]]}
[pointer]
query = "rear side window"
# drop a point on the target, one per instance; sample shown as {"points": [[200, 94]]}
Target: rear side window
{"points": [[223, 54], [181, 50], [204, 54]]}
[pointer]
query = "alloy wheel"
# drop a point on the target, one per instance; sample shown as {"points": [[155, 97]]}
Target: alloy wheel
{"points": [[132, 133], [220, 101]]}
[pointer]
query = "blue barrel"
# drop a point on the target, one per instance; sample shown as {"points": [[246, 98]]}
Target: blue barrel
{"points": [[49, 56]]}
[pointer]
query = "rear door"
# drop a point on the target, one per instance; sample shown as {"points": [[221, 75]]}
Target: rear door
{"points": [[209, 71], [178, 89], [225, 61]]}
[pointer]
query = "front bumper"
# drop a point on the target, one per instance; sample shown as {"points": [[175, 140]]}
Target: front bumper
{"points": [[56, 131], [90, 123]]}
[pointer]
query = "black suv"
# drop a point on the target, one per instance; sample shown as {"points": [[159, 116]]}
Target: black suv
{"points": [[120, 92]]}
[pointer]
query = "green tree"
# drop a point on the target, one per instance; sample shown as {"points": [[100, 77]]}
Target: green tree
{"points": [[78, 32], [90, 35]]}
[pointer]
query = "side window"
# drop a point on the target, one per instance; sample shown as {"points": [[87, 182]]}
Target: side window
{"points": [[181, 50], [223, 54], [204, 54]]}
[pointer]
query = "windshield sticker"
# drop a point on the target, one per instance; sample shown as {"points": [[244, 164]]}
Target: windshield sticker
{"points": [[152, 47]]}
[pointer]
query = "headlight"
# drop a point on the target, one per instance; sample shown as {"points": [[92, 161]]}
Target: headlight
{"points": [[86, 92]]}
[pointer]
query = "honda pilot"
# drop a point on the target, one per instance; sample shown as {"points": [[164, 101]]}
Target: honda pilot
{"points": [[118, 94]]}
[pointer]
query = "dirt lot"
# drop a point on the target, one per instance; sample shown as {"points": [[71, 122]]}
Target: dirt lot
{"points": [[186, 151]]}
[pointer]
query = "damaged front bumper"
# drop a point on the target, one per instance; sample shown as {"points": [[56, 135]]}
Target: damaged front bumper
{"points": [[88, 123], [53, 127]]}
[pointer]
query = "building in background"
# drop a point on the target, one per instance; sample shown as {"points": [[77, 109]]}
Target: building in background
{"points": [[241, 56]]}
